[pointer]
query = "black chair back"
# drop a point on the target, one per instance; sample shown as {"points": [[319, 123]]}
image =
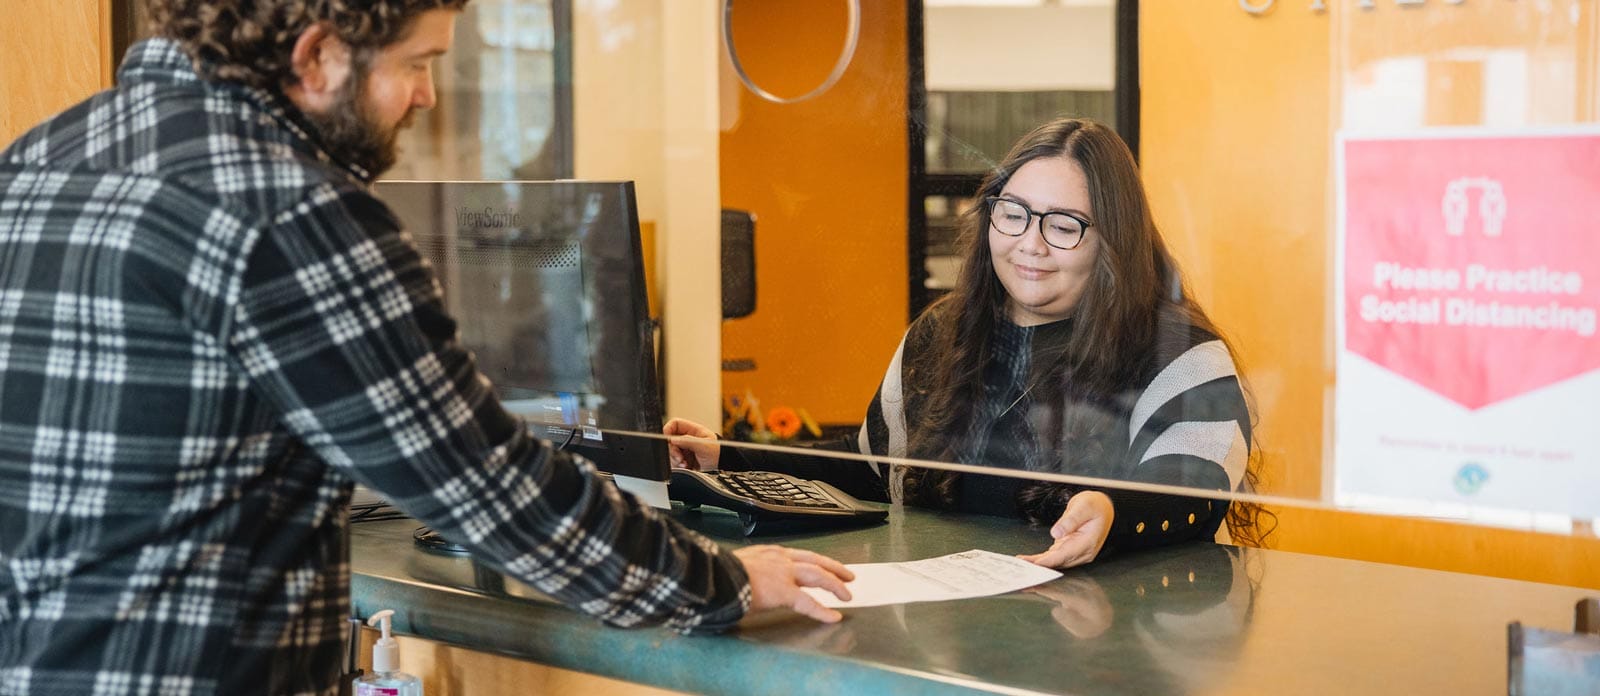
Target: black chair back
{"points": [[738, 263]]}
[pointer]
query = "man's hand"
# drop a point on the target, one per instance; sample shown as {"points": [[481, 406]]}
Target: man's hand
{"points": [[777, 574], [1080, 532], [693, 446]]}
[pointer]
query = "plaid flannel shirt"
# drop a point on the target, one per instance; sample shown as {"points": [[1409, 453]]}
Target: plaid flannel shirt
{"points": [[208, 329]]}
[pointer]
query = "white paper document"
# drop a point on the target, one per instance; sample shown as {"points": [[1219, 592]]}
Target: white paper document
{"points": [[974, 573]]}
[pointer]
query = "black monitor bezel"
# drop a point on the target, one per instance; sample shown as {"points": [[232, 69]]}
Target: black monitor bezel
{"points": [[621, 309]]}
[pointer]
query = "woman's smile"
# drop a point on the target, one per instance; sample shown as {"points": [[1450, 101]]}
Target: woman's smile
{"points": [[1030, 272]]}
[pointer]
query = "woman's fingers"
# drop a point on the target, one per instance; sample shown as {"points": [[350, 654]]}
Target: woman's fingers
{"points": [[684, 426], [1068, 551], [1080, 532], [1071, 519], [694, 453], [691, 445]]}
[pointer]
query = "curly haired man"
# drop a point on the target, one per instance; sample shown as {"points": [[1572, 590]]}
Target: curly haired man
{"points": [[210, 329]]}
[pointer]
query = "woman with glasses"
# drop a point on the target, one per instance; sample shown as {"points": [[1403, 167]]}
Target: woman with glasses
{"points": [[1069, 345]]}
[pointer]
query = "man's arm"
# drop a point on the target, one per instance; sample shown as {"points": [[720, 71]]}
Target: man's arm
{"points": [[340, 325]]}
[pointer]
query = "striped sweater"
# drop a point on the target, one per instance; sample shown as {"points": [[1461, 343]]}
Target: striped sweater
{"points": [[1186, 424]]}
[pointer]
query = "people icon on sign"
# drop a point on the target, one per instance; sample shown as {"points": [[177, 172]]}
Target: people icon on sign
{"points": [[1491, 205]]}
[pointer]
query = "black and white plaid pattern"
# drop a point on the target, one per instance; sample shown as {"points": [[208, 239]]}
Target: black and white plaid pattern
{"points": [[208, 329]]}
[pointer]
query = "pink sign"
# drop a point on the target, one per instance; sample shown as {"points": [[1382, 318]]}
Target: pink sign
{"points": [[1472, 264]]}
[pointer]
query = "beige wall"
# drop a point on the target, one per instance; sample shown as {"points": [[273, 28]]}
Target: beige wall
{"points": [[1047, 47], [627, 124], [617, 85]]}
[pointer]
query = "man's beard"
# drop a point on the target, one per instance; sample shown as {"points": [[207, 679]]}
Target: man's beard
{"points": [[350, 132]]}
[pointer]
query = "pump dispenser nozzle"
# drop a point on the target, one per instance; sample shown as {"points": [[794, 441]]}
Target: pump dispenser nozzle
{"points": [[386, 678], [386, 652]]}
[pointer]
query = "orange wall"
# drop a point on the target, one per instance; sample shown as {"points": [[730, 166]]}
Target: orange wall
{"points": [[1239, 114], [55, 55], [826, 179], [1235, 154]]}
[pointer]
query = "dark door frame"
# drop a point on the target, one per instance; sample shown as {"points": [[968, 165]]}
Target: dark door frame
{"points": [[920, 184], [916, 162]]}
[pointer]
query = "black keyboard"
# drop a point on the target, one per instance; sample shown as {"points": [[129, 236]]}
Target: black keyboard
{"points": [[773, 503]]}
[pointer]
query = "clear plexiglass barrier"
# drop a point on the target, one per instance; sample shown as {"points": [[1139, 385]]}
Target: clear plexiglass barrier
{"points": [[1300, 253]]}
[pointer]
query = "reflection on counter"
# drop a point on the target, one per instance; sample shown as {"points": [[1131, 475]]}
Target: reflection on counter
{"points": [[1193, 618]]}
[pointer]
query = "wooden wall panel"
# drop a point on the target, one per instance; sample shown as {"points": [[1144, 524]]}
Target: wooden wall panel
{"points": [[1438, 545], [448, 670], [55, 53]]}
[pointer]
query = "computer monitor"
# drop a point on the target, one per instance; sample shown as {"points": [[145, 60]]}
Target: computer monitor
{"points": [[546, 282]]}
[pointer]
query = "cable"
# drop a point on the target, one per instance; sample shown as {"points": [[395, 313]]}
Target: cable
{"points": [[852, 36], [570, 434], [375, 512]]}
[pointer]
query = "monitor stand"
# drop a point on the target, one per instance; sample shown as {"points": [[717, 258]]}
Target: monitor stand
{"points": [[434, 541], [652, 493]]}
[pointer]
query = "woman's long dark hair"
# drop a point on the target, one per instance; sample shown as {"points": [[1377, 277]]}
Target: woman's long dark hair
{"points": [[1132, 306]]}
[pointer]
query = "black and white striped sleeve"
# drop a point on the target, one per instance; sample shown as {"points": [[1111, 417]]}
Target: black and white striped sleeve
{"points": [[1189, 427]]}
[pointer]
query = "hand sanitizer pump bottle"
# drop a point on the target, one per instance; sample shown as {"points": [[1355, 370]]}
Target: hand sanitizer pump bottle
{"points": [[386, 678]]}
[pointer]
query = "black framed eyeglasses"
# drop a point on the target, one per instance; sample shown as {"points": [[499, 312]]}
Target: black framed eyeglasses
{"points": [[1060, 230]]}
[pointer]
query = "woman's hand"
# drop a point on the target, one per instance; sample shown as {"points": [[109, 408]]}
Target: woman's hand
{"points": [[1082, 606], [1079, 533], [693, 446]]}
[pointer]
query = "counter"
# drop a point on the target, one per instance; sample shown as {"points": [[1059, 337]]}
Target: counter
{"points": [[1197, 618]]}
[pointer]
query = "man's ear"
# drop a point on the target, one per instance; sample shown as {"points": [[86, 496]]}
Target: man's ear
{"points": [[321, 63]]}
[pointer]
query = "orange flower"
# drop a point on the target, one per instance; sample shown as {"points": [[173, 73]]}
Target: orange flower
{"points": [[783, 422]]}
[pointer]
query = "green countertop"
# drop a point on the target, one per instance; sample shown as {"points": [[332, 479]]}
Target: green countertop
{"points": [[1198, 619]]}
